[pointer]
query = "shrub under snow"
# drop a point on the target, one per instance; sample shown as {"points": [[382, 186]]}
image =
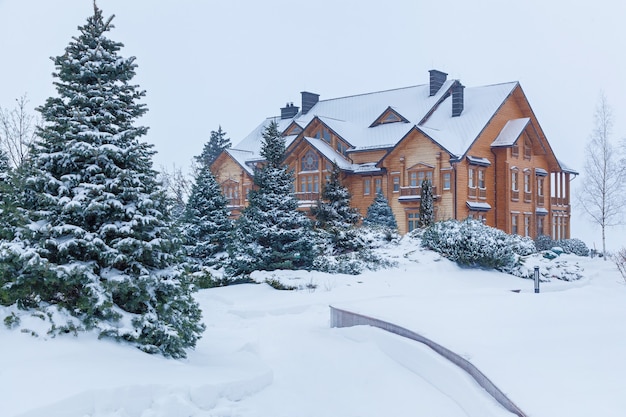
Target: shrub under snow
{"points": [[471, 243]]}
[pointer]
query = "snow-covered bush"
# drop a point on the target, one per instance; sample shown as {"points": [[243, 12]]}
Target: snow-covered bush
{"points": [[471, 243], [522, 245], [544, 242], [573, 246]]}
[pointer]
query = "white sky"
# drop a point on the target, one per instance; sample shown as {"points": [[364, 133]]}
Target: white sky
{"points": [[233, 63]]}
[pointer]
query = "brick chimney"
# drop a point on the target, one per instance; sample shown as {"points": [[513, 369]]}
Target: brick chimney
{"points": [[308, 101], [289, 111], [437, 78], [457, 99]]}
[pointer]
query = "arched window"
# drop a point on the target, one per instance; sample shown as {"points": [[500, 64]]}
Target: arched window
{"points": [[310, 162]]}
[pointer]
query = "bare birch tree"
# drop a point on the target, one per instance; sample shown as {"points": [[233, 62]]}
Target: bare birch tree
{"points": [[17, 131], [602, 194]]}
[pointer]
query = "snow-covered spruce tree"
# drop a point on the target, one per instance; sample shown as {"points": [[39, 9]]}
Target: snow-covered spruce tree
{"points": [[97, 242], [206, 224], [379, 213], [271, 233], [217, 143], [427, 212], [334, 217]]}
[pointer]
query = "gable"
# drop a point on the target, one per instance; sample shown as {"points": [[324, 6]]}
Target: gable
{"points": [[389, 116]]}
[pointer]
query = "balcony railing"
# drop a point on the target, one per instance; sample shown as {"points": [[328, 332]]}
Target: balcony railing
{"points": [[414, 191], [540, 200], [308, 196], [558, 201], [514, 194]]}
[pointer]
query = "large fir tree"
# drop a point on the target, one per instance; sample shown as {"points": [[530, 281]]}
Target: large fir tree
{"points": [[206, 222], [379, 213], [335, 217], [271, 233], [217, 143], [97, 241]]}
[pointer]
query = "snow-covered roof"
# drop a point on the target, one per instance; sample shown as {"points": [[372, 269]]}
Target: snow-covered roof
{"points": [[338, 159], [351, 117], [541, 172], [541, 210], [241, 157], [566, 168], [478, 206], [478, 161], [511, 132]]}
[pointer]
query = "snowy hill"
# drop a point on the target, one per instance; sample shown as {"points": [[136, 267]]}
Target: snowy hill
{"points": [[272, 353]]}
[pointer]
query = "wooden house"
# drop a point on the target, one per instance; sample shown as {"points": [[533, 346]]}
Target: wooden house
{"points": [[481, 147]]}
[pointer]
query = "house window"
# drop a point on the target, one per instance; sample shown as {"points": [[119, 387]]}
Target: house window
{"points": [[514, 224], [539, 225], [378, 185], [481, 179], [528, 149], [341, 148], [412, 220], [446, 180], [471, 178], [310, 162], [515, 150], [390, 118], [540, 199], [324, 134], [309, 183], [367, 184], [527, 195], [526, 225], [514, 185], [417, 177], [396, 184]]}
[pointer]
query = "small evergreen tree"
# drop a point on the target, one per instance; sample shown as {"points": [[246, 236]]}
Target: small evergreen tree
{"points": [[95, 239], [379, 213], [271, 233], [206, 222], [335, 217], [427, 213], [217, 143]]}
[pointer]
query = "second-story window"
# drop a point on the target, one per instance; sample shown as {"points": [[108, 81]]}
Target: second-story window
{"points": [[528, 148], [446, 178], [310, 162], [396, 183], [367, 186], [514, 184], [378, 185]]}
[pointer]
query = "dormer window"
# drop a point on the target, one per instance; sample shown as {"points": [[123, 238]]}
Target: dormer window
{"points": [[388, 116]]}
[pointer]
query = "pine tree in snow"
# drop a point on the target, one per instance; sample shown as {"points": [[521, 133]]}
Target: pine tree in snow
{"points": [[379, 213], [98, 241], [427, 213], [206, 222], [271, 233], [217, 143], [336, 218]]}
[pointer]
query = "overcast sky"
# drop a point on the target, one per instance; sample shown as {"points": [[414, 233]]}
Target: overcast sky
{"points": [[233, 63]]}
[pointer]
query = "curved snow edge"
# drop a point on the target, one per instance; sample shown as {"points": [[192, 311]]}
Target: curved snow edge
{"points": [[344, 318]]}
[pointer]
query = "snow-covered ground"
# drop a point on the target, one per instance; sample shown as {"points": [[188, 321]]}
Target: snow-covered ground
{"points": [[272, 353]]}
